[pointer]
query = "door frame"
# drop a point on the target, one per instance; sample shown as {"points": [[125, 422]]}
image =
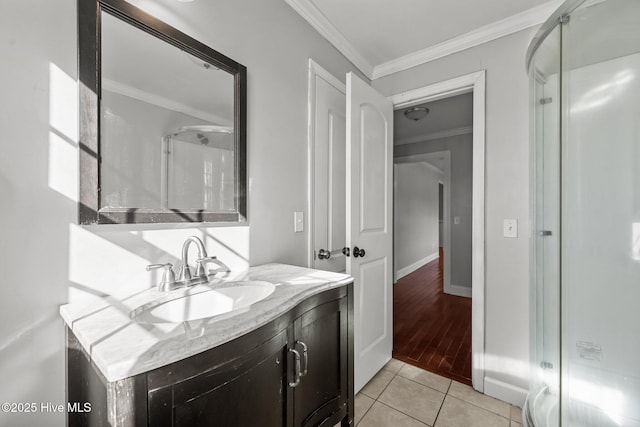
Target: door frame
{"points": [[315, 71], [474, 82]]}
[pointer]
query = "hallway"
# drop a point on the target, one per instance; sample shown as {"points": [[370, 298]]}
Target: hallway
{"points": [[432, 330]]}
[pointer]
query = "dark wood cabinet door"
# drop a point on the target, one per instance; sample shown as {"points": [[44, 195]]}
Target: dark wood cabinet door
{"points": [[250, 391], [321, 396]]}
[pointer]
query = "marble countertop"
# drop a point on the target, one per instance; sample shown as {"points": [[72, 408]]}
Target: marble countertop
{"points": [[121, 347]]}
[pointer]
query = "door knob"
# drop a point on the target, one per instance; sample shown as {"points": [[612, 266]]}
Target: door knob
{"points": [[346, 251], [323, 254], [357, 252]]}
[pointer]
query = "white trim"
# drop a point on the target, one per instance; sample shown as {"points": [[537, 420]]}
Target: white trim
{"points": [[505, 391], [416, 265], [504, 27], [315, 72], [459, 291], [434, 135], [472, 82], [317, 20]]}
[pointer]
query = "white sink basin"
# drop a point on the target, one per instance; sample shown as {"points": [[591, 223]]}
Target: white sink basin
{"points": [[215, 302]]}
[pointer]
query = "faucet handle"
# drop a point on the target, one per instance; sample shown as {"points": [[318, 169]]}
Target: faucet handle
{"points": [[201, 262], [168, 277]]}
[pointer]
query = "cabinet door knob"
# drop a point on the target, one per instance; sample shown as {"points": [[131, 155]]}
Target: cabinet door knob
{"points": [[296, 373], [357, 252], [305, 357]]}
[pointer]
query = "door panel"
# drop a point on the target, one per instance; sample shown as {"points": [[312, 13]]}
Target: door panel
{"points": [[375, 300], [329, 174], [369, 187], [373, 172]]}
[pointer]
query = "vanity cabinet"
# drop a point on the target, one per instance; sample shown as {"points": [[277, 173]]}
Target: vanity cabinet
{"points": [[263, 378]]}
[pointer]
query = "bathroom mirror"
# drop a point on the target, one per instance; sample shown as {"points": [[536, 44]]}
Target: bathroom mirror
{"points": [[162, 122]]}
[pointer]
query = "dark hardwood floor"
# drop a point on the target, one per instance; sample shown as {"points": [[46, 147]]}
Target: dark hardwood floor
{"points": [[432, 330]]}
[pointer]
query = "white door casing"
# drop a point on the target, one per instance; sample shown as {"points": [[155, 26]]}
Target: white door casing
{"points": [[474, 82], [327, 165], [369, 225]]}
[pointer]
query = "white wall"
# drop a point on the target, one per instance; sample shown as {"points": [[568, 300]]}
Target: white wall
{"points": [[415, 216], [507, 294], [47, 260], [461, 150]]}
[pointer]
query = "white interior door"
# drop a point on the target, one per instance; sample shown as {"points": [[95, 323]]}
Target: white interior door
{"points": [[369, 224], [329, 172]]}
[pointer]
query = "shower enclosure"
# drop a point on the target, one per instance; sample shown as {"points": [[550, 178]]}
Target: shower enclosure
{"points": [[584, 70]]}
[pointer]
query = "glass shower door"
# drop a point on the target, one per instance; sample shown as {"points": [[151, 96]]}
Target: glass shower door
{"points": [[545, 78], [601, 215]]}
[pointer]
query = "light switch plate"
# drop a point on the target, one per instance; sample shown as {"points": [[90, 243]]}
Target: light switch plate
{"points": [[456, 220], [510, 228], [298, 222]]}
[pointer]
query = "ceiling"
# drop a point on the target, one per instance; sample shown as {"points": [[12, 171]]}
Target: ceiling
{"points": [[447, 117], [139, 65], [379, 36]]}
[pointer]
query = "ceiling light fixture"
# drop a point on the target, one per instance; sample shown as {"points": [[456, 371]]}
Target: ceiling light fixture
{"points": [[416, 113]]}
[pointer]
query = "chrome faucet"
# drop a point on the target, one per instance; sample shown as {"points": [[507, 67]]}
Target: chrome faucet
{"points": [[169, 281], [184, 275]]}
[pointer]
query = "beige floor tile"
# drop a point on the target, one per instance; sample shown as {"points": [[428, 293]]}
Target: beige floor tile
{"points": [[363, 404], [515, 424], [468, 394], [516, 414], [374, 388], [425, 378], [383, 416], [458, 413], [393, 366], [413, 399]]}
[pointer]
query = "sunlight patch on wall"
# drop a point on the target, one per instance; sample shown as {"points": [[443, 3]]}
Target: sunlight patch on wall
{"points": [[63, 136], [507, 365], [229, 244], [100, 266], [63, 167], [63, 103]]}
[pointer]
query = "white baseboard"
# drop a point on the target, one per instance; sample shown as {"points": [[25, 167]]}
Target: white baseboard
{"points": [[505, 391], [416, 265], [458, 290]]}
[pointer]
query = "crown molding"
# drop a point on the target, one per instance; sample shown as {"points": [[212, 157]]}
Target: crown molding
{"points": [[512, 24], [310, 12], [159, 101], [435, 135]]}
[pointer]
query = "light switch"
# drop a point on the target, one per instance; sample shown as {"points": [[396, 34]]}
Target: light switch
{"points": [[456, 220], [298, 222], [510, 228]]}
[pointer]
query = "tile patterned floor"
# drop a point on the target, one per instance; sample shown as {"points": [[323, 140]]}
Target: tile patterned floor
{"points": [[401, 395]]}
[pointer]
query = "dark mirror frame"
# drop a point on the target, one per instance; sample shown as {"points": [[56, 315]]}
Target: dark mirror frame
{"points": [[89, 73]]}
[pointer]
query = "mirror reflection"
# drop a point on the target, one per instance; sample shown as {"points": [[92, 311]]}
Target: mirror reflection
{"points": [[166, 126]]}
